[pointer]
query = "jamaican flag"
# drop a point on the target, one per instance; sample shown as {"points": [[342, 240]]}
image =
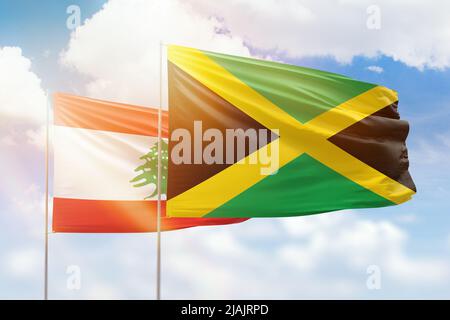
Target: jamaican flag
{"points": [[328, 142]]}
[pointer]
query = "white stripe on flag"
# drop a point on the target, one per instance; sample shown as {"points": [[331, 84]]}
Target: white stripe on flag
{"points": [[98, 165]]}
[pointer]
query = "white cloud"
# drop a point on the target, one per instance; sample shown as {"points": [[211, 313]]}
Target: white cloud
{"points": [[23, 105], [47, 53], [30, 201], [37, 137], [359, 242], [22, 263], [8, 140], [23, 102], [338, 28], [21, 95], [119, 47], [28, 208], [323, 256], [376, 69]]}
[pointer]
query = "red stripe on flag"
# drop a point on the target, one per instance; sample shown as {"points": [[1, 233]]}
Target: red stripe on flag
{"points": [[110, 216], [86, 113]]}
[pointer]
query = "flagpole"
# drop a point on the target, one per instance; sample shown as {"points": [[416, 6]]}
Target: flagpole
{"points": [[46, 199], [158, 222]]}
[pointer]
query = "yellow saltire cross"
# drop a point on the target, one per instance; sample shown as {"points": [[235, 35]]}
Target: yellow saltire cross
{"points": [[295, 138]]}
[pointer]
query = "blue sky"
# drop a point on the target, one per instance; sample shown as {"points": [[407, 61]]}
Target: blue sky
{"points": [[96, 62], [37, 27]]}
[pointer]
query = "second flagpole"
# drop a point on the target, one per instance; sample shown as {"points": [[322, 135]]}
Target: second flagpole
{"points": [[158, 222]]}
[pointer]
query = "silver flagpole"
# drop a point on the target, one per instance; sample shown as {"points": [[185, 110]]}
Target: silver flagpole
{"points": [[46, 199], [158, 222]]}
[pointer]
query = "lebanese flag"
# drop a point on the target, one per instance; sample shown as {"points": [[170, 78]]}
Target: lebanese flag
{"points": [[103, 174]]}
